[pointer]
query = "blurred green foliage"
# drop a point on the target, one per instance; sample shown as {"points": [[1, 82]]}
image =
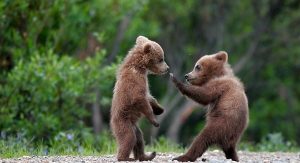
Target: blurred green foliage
{"points": [[272, 142], [56, 56], [44, 93], [33, 25], [48, 94]]}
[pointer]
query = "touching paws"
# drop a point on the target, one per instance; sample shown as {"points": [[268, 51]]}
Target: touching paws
{"points": [[177, 83], [174, 80]]}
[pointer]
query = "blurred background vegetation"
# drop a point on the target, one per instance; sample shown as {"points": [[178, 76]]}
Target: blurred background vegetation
{"points": [[58, 61]]}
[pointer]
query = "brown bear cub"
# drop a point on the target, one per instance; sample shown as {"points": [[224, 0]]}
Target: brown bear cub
{"points": [[213, 83], [132, 98]]}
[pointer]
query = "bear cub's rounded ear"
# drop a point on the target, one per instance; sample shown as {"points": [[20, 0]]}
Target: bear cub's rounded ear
{"points": [[141, 40], [147, 48], [222, 56]]}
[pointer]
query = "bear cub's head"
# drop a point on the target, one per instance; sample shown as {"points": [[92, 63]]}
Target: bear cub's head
{"points": [[152, 56], [207, 68]]}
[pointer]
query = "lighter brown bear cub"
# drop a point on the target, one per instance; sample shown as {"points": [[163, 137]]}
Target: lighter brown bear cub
{"points": [[213, 83], [132, 98]]}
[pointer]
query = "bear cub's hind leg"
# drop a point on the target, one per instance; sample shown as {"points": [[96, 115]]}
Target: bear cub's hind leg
{"points": [[126, 139], [230, 153], [138, 149]]}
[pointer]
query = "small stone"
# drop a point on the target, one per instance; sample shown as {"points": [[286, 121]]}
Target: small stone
{"points": [[215, 151], [26, 157]]}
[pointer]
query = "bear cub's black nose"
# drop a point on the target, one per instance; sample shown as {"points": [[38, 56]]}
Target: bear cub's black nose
{"points": [[186, 76]]}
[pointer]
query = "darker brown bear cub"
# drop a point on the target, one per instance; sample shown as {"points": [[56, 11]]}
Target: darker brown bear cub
{"points": [[132, 98], [213, 83]]}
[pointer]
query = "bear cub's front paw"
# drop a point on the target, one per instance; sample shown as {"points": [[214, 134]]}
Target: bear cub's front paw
{"points": [[174, 80], [158, 111]]}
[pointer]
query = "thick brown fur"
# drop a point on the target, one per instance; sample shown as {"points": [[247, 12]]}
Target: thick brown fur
{"points": [[213, 83], [132, 98]]}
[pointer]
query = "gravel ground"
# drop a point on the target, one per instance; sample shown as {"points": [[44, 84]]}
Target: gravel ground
{"points": [[210, 157]]}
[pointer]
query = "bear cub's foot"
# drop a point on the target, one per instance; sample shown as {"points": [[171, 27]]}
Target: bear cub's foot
{"points": [[183, 158], [148, 157]]}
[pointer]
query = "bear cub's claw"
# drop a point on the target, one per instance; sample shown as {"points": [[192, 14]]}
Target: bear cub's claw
{"points": [[172, 77], [174, 80]]}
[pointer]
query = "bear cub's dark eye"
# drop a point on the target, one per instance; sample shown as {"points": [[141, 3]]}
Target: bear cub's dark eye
{"points": [[198, 68], [161, 60]]}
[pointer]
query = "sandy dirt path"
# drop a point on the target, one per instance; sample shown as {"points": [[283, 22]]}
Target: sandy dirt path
{"points": [[209, 157]]}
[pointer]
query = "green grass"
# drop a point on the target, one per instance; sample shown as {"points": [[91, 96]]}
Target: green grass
{"points": [[164, 145], [271, 143], [66, 144], [13, 147], [62, 144]]}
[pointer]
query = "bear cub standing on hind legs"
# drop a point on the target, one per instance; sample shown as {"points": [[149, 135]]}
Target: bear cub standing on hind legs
{"points": [[132, 98], [213, 83]]}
